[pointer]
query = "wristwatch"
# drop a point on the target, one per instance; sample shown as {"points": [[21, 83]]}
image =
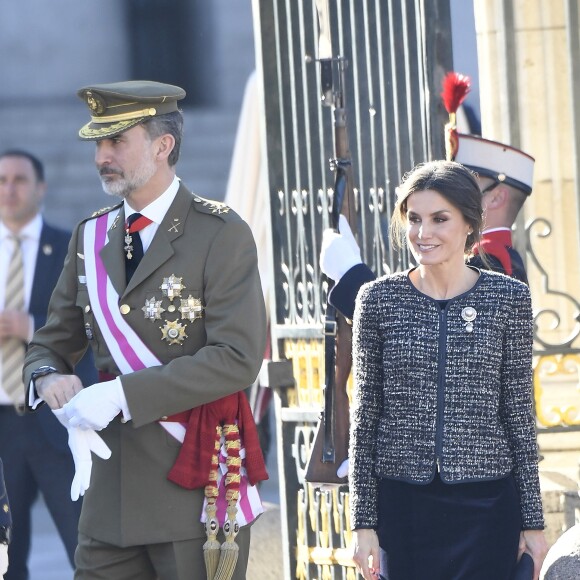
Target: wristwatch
{"points": [[41, 372], [5, 534]]}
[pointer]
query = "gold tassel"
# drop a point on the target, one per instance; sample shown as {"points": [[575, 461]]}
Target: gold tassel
{"points": [[229, 549], [211, 548]]}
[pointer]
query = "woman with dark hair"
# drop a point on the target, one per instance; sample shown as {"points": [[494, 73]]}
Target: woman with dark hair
{"points": [[443, 457]]}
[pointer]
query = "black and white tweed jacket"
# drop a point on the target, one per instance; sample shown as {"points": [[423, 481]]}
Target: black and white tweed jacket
{"points": [[432, 395]]}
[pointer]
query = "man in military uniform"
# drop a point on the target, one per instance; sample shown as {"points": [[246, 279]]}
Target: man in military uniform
{"points": [[165, 289], [505, 175]]}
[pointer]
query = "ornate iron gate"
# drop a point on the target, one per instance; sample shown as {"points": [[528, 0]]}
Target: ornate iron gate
{"points": [[397, 53]]}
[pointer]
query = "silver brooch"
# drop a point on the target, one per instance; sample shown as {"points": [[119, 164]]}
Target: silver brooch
{"points": [[469, 314]]}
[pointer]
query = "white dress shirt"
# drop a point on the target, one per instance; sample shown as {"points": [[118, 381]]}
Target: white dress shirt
{"points": [[155, 211]]}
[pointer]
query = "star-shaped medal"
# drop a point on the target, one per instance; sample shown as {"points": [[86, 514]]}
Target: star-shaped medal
{"points": [[172, 287], [173, 332], [191, 308], [153, 309]]}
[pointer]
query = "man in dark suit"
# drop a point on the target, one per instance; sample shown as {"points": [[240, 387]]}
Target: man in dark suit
{"points": [[164, 287], [33, 447]]}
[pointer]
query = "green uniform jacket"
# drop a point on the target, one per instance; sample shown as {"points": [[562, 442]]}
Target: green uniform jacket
{"points": [[130, 501]]}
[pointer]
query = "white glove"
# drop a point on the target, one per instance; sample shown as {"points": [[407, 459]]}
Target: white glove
{"points": [[339, 252], [81, 443], [96, 406], [3, 559], [342, 471]]}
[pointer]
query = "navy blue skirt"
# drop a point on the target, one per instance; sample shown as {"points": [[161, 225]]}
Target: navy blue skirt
{"points": [[465, 531]]}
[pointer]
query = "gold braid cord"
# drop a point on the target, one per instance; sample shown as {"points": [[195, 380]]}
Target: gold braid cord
{"points": [[228, 553], [211, 548]]}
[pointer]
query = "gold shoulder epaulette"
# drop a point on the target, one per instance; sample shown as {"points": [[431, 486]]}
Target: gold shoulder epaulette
{"points": [[210, 205], [101, 211]]}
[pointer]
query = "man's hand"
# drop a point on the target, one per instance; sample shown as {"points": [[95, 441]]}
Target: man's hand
{"points": [[14, 324], [339, 252], [96, 406], [56, 389]]}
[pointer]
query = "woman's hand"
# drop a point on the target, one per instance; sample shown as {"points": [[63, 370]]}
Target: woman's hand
{"points": [[534, 542], [365, 545]]}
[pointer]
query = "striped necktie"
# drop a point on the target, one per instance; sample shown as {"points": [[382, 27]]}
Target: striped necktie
{"points": [[13, 349]]}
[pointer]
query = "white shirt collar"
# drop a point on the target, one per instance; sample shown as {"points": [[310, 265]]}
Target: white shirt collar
{"points": [[31, 231], [157, 209]]}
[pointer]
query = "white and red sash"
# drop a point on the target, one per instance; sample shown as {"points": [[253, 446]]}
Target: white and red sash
{"points": [[131, 354]]}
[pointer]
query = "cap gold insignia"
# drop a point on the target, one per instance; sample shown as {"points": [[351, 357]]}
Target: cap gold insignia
{"points": [[172, 287], [191, 308], [153, 309], [215, 206], [173, 332], [469, 314], [95, 103], [47, 249]]}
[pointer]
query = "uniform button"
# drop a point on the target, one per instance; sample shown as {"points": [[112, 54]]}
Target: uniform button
{"points": [[171, 308], [164, 418], [125, 309], [87, 308]]}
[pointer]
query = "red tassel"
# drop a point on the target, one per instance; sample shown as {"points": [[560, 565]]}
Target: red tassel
{"points": [[455, 89]]}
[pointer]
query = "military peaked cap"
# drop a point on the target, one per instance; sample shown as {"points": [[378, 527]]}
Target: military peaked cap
{"points": [[496, 160], [116, 107]]}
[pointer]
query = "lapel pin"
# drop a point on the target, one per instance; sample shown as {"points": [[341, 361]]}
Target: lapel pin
{"points": [[174, 227]]}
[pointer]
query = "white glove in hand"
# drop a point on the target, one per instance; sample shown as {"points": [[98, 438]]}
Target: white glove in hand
{"points": [[342, 471], [81, 443], [3, 559], [96, 406], [339, 252]]}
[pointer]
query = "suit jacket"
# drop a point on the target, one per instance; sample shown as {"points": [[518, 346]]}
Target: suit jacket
{"points": [[130, 501], [52, 250]]}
